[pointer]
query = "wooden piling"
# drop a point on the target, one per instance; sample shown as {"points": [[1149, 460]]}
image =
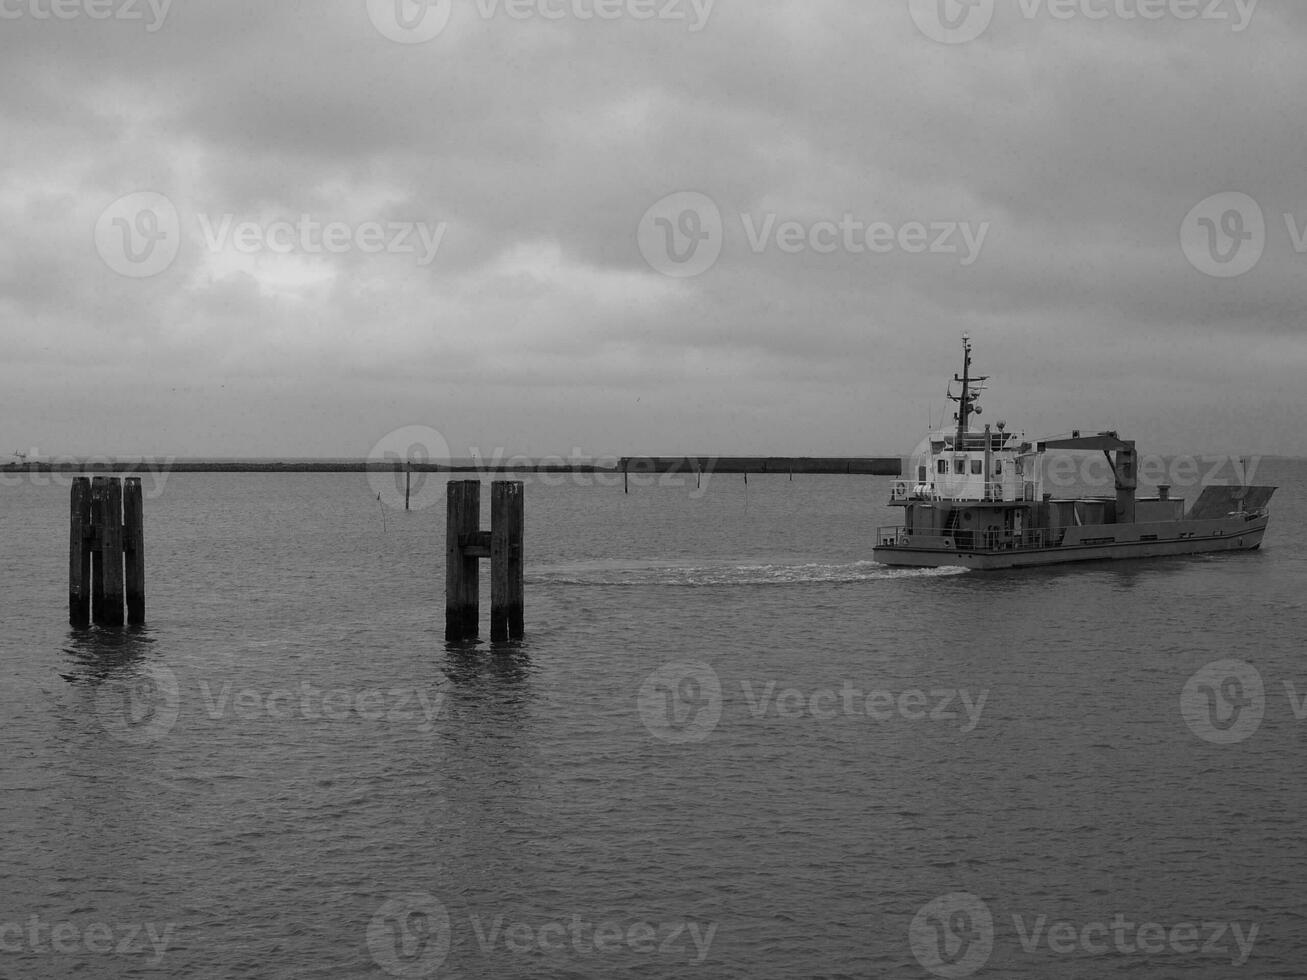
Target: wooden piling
{"points": [[462, 585], [408, 478], [506, 595], [134, 550], [107, 563], [79, 554]]}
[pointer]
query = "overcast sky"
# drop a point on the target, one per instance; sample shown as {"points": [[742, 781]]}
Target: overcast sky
{"points": [[276, 228]]}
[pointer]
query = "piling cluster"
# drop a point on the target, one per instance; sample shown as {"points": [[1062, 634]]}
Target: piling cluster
{"points": [[106, 555], [466, 544]]}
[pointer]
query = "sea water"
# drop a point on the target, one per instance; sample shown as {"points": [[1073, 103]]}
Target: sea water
{"points": [[730, 745]]}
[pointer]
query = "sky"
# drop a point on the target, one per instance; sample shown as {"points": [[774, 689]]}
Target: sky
{"points": [[614, 227]]}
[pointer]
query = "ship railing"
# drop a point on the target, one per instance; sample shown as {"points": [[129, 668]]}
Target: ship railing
{"points": [[903, 537], [903, 490]]}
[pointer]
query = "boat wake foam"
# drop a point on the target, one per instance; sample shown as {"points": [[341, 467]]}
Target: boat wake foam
{"points": [[673, 573]]}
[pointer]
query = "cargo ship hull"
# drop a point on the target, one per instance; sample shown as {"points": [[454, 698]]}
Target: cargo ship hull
{"points": [[1182, 538]]}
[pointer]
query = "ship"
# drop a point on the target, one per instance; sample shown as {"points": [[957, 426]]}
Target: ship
{"points": [[974, 498]]}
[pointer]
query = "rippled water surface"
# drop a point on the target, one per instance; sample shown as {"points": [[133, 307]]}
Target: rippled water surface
{"points": [[730, 745]]}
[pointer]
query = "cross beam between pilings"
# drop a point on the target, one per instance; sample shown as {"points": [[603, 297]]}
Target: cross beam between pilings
{"points": [[466, 544]]}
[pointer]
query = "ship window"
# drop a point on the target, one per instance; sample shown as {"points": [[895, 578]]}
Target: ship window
{"points": [[976, 467], [921, 474], [998, 467], [960, 467], [942, 466]]}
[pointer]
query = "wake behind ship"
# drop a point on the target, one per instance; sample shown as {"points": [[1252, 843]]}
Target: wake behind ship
{"points": [[974, 498]]}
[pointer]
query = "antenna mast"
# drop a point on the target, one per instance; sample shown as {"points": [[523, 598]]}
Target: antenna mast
{"points": [[966, 400]]}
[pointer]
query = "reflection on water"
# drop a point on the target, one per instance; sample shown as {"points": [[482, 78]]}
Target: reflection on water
{"points": [[502, 665], [97, 655]]}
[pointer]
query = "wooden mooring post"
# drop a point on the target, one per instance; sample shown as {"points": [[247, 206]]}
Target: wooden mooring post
{"points": [[466, 544], [106, 554]]}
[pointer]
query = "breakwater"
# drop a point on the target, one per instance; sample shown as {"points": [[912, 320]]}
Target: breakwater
{"points": [[853, 466]]}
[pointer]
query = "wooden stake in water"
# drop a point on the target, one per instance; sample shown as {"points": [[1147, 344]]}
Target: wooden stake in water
{"points": [[408, 477], [506, 595], [134, 550], [462, 586], [79, 554], [466, 543], [107, 556]]}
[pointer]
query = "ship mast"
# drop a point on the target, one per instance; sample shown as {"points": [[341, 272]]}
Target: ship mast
{"points": [[965, 400]]}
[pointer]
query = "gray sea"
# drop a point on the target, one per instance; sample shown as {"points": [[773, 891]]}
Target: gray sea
{"points": [[730, 745]]}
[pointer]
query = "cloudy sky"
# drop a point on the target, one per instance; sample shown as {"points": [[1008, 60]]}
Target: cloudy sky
{"points": [[284, 228]]}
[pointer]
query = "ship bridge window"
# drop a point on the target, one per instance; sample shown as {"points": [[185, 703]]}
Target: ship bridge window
{"points": [[960, 467], [976, 467], [942, 466]]}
